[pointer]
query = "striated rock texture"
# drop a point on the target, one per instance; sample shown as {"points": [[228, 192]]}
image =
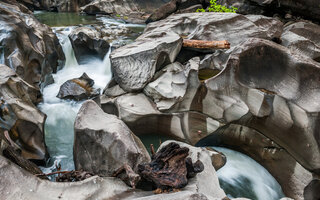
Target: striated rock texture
{"points": [[103, 143], [27, 46], [125, 7], [135, 64], [258, 97], [20, 116], [78, 89], [303, 38], [88, 42]]}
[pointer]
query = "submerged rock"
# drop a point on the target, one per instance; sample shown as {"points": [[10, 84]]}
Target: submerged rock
{"points": [[20, 116], [29, 47], [103, 143], [78, 89], [88, 42]]}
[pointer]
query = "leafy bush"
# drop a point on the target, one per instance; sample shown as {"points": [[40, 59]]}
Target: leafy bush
{"points": [[214, 7]]}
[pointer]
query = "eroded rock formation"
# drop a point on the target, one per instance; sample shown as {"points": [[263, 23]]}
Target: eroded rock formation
{"points": [[258, 87], [28, 47], [20, 116]]}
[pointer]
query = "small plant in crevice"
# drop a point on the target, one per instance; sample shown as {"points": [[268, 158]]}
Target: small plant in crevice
{"points": [[215, 7]]}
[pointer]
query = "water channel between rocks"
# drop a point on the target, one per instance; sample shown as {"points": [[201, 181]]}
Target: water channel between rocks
{"points": [[240, 177]]}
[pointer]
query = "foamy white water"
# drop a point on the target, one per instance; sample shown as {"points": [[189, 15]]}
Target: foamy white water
{"points": [[244, 177], [61, 114]]}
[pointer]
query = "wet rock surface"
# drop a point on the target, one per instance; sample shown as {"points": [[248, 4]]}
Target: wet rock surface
{"points": [[29, 47], [20, 116], [87, 41], [78, 89]]}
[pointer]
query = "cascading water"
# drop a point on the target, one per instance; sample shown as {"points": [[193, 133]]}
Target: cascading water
{"points": [[244, 177], [62, 113]]}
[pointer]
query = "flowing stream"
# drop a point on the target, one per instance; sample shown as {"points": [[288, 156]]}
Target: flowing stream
{"points": [[240, 177]]}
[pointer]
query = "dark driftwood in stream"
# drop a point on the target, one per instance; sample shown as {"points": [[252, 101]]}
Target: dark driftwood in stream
{"points": [[127, 175], [12, 152], [15, 157], [68, 176], [200, 44], [169, 167]]}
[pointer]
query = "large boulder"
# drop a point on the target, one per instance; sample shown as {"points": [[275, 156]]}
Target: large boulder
{"points": [[135, 64], [103, 143], [29, 47], [88, 41], [78, 89], [20, 116], [303, 38]]}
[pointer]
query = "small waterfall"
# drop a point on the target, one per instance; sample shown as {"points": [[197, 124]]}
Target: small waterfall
{"points": [[61, 114], [244, 177], [2, 61]]}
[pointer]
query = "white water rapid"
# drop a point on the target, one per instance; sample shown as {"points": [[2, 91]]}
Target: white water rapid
{"points": [[244, 177], [62, 113]]}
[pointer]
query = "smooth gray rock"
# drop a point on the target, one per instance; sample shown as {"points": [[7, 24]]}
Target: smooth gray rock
{"points": [[303, 38], [88, 41], [30, 48], [214, 26], [103, 143], [135, 64], [19, 114]]}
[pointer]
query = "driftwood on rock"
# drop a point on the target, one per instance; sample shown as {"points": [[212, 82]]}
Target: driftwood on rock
{"points": [[201, 44], [170, 167], [127, 175], [12, 152]]}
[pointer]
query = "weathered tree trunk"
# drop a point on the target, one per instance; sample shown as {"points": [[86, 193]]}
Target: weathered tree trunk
{"points": [[127, 175], [200, 44], [170, 167]]}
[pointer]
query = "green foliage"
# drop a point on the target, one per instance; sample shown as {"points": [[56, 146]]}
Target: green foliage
{"points": [[214, 7], [117, 15]]}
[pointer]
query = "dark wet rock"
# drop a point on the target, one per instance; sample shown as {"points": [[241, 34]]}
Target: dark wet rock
{"points": [[129, 7], [164, 11], [303, 38], [135, 64], [20, 116], [29, 47], [103, 143], [88, 41], [78, 89], [63, 5]]}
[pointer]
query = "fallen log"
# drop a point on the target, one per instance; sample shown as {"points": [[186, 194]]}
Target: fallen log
{"points": [[170, 168], [201, 44]]}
